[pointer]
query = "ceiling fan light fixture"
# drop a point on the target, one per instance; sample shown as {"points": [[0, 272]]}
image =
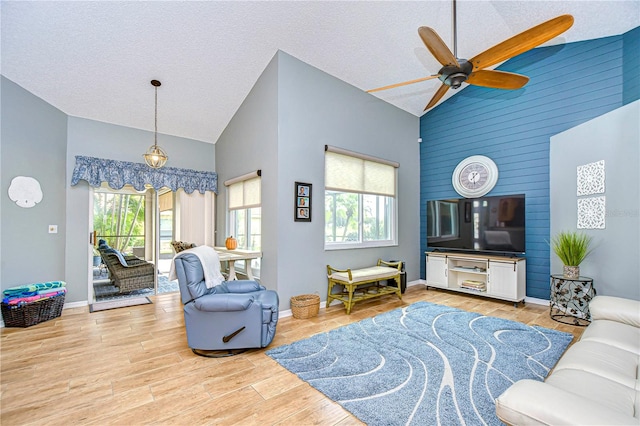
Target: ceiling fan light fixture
{"points": [[455, 80], [155, 157]]}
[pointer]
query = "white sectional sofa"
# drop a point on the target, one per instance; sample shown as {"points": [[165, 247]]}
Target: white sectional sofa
{"points": [[596, 382]]}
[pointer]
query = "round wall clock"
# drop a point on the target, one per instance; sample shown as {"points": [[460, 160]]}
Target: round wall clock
{"points": [[475, 176]]}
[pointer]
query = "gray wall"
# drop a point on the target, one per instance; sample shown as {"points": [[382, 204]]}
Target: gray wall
{"points": [[33, 144], [40, 141], [314, 109], [97, 139], [615, 138], [248, 143]]}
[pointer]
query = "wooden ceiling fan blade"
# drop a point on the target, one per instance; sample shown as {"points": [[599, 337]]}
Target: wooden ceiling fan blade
{"points": [[497, 79], [439, 94], [437, 47], [522, 42], [404, 83]]}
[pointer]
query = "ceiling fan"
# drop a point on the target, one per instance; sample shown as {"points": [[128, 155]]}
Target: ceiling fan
{"points": [[456, 71]]}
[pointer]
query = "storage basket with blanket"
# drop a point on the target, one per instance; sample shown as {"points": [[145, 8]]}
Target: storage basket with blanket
{"points": [[32, 304]]}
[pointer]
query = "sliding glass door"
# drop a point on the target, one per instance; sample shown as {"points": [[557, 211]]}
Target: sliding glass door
{"points": [[119, 219], [141, 226], [124, 222]]}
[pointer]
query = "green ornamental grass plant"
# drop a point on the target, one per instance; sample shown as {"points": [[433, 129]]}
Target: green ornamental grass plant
{"points": [[571, 247]]}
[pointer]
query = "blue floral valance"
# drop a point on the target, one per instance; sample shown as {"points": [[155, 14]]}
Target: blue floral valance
{"points": [[120, 173]]}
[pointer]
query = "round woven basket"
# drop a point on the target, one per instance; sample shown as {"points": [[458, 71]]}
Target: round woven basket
{"points": [[305, 306]]}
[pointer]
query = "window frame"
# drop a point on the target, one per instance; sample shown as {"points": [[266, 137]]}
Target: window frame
{"points": [[332, 245], [249, 199], [393, 213], [248, 219]]}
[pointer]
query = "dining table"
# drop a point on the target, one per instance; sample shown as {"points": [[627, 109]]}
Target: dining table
{"points": [[230, 257]]}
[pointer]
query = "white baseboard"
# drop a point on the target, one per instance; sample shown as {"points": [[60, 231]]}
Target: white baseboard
{"points": [[323, 303], [75, 304], [536, 301], [287, 313], [416, 282]]}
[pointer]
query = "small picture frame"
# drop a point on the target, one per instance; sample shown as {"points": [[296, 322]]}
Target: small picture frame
{"points": [[302, 202]]}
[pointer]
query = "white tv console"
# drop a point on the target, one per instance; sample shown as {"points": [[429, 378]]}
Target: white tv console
{"points": [[503, 276]]}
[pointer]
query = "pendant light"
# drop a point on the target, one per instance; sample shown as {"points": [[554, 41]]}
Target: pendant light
{"points": [[155, 157]]}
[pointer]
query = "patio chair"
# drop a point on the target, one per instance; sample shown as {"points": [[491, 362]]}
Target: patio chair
{"points": [[128, 273]]}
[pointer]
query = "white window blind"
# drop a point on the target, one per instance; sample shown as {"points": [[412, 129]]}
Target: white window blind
{"points": [[244, 191], [353, 172]]}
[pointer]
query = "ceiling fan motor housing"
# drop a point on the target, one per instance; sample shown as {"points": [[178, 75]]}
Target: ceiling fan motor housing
{"points": [[454, 76]]}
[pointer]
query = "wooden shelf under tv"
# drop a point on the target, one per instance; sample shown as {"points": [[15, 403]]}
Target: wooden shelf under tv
{"points": [[504, 276]]}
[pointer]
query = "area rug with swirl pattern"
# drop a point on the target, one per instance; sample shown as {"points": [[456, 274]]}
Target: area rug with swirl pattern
{"points": [[423, 364]]}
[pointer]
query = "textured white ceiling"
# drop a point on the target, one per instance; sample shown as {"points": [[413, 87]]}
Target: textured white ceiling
{"points": [[95, 59]]}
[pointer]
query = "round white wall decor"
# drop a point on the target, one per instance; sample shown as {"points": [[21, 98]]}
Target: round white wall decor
{"points": [[475, 176], [25, 191]]}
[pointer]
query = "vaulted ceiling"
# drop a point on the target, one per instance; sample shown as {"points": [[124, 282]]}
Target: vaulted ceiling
{"points": [[95, 59]]}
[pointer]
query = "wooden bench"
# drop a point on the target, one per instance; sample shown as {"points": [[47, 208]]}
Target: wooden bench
{"points": [[351, 279]]}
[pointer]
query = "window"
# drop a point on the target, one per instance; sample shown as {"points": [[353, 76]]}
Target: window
{"points": [[360, 200], [245, 212]]}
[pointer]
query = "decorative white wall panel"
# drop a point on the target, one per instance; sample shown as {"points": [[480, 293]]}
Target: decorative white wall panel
{"points": [[591, 178], [591, 213]]}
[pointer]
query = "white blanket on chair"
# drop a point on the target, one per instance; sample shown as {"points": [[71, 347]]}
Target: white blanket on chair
{"points": [[210, 265]]}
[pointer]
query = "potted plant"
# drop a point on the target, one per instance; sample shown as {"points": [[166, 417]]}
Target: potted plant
{"points": [[572, 248], [96, 258]]}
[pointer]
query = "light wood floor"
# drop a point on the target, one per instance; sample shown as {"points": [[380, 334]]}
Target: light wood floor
{"points": [[132, 366]]}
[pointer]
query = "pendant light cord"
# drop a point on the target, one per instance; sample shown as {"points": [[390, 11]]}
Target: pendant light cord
{"points": [[155, 157], [155, 134]]}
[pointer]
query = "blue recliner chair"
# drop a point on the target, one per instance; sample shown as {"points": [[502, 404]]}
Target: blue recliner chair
{"points": [[233, 316]]}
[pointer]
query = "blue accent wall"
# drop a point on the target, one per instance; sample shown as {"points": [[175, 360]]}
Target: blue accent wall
{"points": [[569, 84], [631, 65]]}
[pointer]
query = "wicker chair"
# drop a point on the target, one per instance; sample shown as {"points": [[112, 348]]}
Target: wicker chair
{"points": [[138, 273]]}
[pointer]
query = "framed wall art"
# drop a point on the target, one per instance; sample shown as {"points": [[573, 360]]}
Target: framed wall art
{"points": [[302, 202]]}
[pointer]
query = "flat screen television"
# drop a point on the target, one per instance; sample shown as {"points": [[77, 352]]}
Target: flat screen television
{"points": [[493, 224]]}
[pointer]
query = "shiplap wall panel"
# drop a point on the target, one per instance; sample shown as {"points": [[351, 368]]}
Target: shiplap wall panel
{"points": [[631, 65], [569, 84]]}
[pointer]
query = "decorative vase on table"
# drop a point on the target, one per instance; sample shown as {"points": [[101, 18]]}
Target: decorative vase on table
{"points": [[231, 243], [571, 272], [571, 247]]}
